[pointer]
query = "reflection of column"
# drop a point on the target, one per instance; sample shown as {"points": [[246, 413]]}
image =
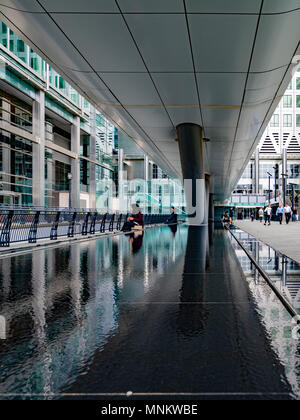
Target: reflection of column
{"points": [[38, 295], [191, 318], [284, 271], [192, 161], [38, 150], [75, 147], [6, 278], [76, 281]]}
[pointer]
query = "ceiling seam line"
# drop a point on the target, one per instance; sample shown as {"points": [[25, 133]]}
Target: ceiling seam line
{"points": [[153, 13], [144, 62], [126, 111], [246, 82], [194, 67]]}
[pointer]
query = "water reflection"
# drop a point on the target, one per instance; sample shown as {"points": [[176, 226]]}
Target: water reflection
{"points": [[285, 273], [136, 240], [63, 304]]}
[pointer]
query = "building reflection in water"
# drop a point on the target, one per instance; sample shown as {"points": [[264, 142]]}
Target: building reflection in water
{"points": [[62, 304], [285, 273]]}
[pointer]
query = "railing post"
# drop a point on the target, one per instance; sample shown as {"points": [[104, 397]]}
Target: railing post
{"points": [[71, 225], [5, 233], [85, 224], [111, 225], [33, 228], [119, 222], [93, 223], [102, 226], [53, 233]]}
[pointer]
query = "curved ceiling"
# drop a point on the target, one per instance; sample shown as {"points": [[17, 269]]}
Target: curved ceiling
{"points": [[151, 65]]}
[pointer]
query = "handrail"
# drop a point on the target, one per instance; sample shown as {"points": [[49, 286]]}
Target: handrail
{"points": [[262, 272], [21, 225]]}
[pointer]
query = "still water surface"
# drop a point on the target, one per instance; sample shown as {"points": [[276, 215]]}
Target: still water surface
{"points": [[166, 312]]}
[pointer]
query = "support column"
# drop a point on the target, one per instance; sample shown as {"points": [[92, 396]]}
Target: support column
{"points": [[6, 153], [121, 180], [284, 172], [75, 147], [38, 150], [92, 185], [146, 173], [192, 161], [211, 213], [256, 189]]}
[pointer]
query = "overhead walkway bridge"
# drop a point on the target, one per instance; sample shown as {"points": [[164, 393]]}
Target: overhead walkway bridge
{"points": [[208, 74]]}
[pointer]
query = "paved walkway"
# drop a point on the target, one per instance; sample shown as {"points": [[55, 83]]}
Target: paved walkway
{"points": [[284, 238]]}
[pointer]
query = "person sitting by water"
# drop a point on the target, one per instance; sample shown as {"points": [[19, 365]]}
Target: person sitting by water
{"points": [[226, 219], [136, 219], [172, 219]]}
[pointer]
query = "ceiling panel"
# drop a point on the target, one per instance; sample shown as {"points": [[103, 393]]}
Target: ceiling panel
{"points": [[152, 117], [22, 5], [213, 38], [97, 6], [177, 88], [279, 32], [185, 115], [163, 41], [151, 6], [221, 6], [221, 89], [43, 30], [91, 83], [220, 117], [132, 88], [119, 54], [279, 6], [262, 87], [219, 133]]}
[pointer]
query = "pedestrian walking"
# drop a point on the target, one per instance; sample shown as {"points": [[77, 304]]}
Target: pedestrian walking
{"points": [[252, 216], [261, 215], [279, 213], [288, 213], [268, 214], [295, 214]]}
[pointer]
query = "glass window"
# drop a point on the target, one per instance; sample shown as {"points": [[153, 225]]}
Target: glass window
{"points": [[298, 120], [298, 83], [298, 101], [287, 101], [287, 120], [275, 121], [248, 172], [290, 86], [20, 45]]}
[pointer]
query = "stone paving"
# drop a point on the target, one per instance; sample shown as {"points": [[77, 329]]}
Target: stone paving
{"points": [[284, 238]]}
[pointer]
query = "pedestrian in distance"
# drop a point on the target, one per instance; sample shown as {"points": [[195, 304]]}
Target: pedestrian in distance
{"points": [[288, 213], [295, 214], [252, 216], [261, 215], [279, 214], [268, 214]]}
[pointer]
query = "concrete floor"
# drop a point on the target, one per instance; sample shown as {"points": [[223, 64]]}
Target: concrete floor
{"points": [[284, 238]]}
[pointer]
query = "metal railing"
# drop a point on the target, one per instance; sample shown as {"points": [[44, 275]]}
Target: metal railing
{"points": [[23, 225]]}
